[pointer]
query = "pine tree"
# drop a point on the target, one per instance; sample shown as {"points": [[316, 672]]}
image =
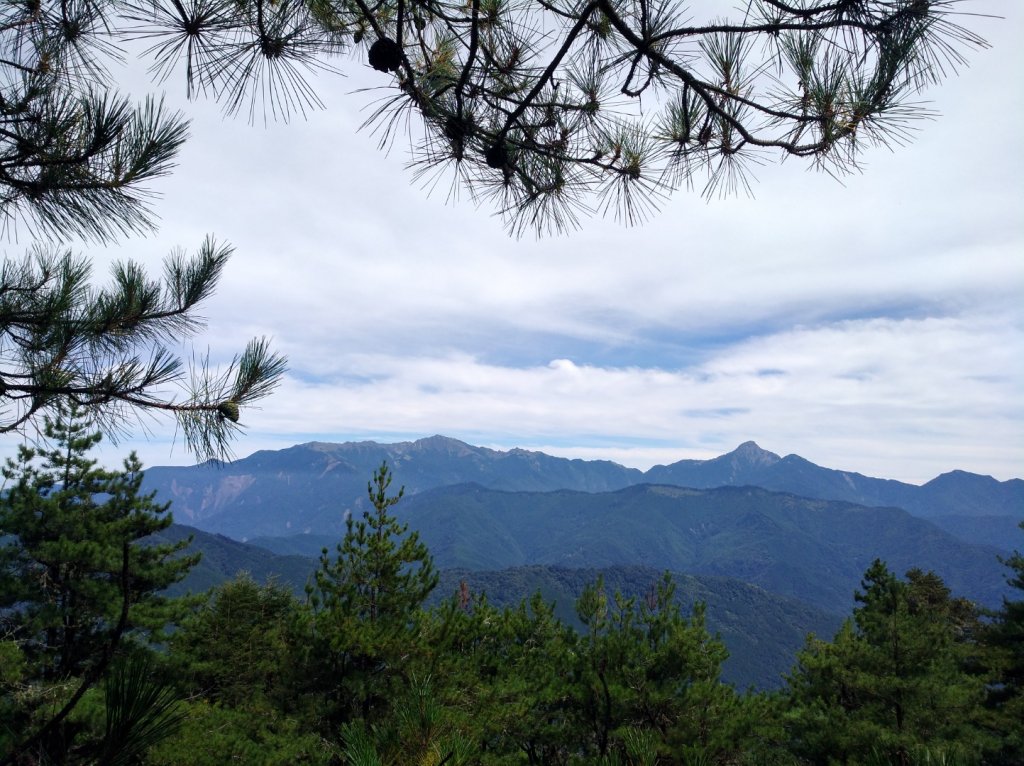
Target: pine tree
{"points": [[1004, 644], [552, 110], [647, 675], [64, 342], [366, 601], [75, 161], [236, 648], [894, 680], [557, 110], [538, 107], [77, 575], [524, 659], [234, 659]]}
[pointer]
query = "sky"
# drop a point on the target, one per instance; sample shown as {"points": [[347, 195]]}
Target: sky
{"points": [[874, 324]]}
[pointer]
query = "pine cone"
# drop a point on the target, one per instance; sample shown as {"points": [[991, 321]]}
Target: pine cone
{"points": [[496, 156], [228, 410], [385, 55]]}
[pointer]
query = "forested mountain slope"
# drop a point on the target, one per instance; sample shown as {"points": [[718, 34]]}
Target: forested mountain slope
{"points": [[762, 631], [813, 550]]}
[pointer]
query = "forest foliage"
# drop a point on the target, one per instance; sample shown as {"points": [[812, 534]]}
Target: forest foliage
{"points": [[360, 671]]}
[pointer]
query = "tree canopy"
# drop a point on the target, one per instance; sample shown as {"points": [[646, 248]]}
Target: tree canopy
{"points": [[897, 677], [79, 581]]}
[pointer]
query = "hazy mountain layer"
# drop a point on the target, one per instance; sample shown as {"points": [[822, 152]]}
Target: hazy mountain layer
{"points": [[811, 549], [308, 488], [223, 558], [955, 493]]}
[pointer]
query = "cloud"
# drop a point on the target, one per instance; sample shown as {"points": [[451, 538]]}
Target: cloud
{"points": [[872, 324], [893, 398]]}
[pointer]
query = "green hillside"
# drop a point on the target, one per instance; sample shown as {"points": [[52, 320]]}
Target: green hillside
{"points": [[762, 630], [223, 558]]}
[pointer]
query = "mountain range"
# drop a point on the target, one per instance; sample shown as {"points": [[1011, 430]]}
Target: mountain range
{"points": [[483, 509], [310, 487]]}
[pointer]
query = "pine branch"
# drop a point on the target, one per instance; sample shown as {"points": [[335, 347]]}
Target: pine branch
{"points": [[63, 341]]}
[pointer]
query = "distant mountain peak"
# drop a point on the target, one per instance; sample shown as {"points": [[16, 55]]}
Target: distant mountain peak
{"points": [[962, 480], [440, 440], [751, 453], [444, 445]]}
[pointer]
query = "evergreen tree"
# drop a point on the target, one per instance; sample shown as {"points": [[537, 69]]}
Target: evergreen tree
{"points": [[1004, 642], [236, 648], [894, 679], [235, 660], [76, 574], [648, 674], [540, 106], [537, 106], [524, 662], [366, 602], [419, 729]]}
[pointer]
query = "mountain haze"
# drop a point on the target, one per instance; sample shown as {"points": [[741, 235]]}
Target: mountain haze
{"points": [[309, 487]]}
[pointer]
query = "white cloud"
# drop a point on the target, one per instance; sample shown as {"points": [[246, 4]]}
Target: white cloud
{"points": [[894, 398]]}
